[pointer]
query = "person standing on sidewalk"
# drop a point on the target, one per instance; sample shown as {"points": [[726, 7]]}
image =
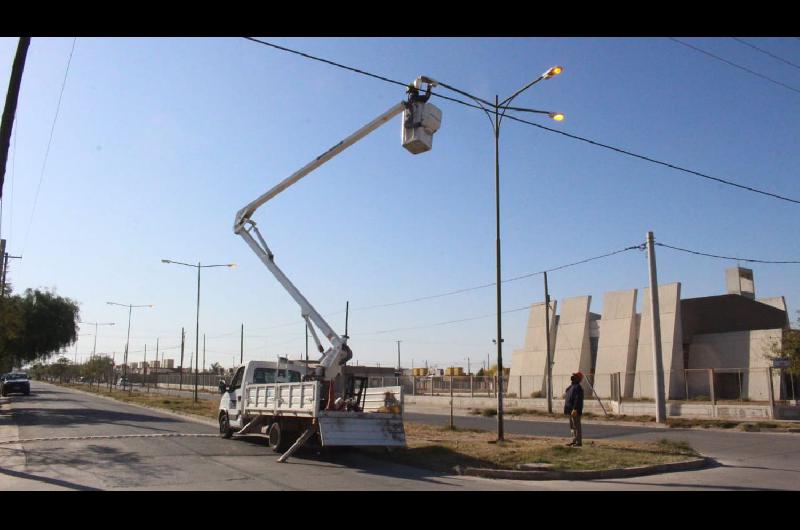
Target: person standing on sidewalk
{"points": [[573, 407]]}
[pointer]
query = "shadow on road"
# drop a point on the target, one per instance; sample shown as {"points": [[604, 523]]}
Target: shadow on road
{"points": [[46, 480], [104, 463], [33, 416]]}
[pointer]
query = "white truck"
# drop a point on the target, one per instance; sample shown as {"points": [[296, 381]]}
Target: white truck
{"points": [[279, 400], [321, 398]]}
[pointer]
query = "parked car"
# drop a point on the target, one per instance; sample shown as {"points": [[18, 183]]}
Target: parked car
{"points": [[15, 383], [123, 382]]}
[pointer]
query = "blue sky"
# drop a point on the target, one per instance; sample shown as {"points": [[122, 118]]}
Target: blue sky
{"points": [[159, 141]]}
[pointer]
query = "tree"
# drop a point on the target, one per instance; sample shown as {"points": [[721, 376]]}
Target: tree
{"points": [[97, 369], [216, 368], [60, 369], [35, 326], [788, 348]]}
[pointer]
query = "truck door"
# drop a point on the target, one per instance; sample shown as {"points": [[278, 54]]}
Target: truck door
{"points": [[234, 398]]}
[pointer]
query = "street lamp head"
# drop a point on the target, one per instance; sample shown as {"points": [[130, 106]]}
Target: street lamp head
{"points": [[232, 265], [165, 261], [552, 72], [557, 116]]}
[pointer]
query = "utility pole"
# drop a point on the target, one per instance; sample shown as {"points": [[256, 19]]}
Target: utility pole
{"points": [[241, 348], [469, 372], [159, 364], [306, 343], [398, 355], [144, 368], [10, 109], [547, 345], [204, 352], [180, 373], [658, 368], [4, 257]]}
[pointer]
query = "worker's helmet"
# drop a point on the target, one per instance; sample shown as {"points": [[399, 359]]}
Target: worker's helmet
{"points": [[578, 376]]}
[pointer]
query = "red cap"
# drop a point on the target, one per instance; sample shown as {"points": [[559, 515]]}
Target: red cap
{"points": [[579, 376]]}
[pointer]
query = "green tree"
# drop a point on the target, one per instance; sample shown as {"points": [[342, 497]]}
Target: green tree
{"points": [[787, 348], [97, 369], [35, 326], [60, 369]]}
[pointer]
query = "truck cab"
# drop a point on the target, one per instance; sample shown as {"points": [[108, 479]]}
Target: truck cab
{"points": [[254, 372]]}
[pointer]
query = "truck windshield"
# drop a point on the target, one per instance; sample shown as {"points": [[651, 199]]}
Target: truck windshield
{"points": [[267, 375]]}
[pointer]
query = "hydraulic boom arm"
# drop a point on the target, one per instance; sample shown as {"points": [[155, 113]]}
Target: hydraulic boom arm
{"points": [[339, 353]]}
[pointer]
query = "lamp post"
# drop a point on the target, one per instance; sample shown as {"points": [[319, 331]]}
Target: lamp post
{"points": [[197, 319], [497, 111], [128, 339], [94, 348]]}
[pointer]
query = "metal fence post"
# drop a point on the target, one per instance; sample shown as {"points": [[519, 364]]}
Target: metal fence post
{"points": [[771, 391], [472, 388], [686, 383], [739, 373], [413, 385], [711, 386], [451, 401]]}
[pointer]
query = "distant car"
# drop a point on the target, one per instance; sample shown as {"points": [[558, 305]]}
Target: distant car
{"points": [[15, 383], [123, 382]]}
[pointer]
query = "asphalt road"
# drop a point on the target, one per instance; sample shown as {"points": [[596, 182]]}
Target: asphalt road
{"points": [[150, 456]]}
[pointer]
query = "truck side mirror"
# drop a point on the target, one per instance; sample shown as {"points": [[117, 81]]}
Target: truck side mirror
{"points": [[222, 386]]}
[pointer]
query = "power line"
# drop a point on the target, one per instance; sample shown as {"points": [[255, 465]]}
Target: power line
{"points": [[352, 69], [659, 162], [765, 52], [726, 257], [49, 142], [520, 120], [445, 323], [740, 67], [467, 289]]}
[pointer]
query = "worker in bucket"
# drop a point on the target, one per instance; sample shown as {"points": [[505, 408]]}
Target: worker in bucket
{"points": [[573, 407]]}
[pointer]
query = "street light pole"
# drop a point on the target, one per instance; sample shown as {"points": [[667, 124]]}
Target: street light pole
{"points": [[94, 348], [499, 284], [197, 334], [498, 116], [197, 316], [128, 339]]}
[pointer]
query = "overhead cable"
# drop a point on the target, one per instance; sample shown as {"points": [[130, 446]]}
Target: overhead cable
{"points": [[520, 120], [727, 257]]}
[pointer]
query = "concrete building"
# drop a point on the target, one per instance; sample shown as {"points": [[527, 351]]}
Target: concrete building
{"points": [[730, 334]]}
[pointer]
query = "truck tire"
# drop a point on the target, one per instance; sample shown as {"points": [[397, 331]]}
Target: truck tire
{"points": [[280, 439], [225, 430]]}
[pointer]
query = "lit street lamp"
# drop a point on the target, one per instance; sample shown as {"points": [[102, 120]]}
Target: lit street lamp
{"points": [[197, 328], [498, 109]]}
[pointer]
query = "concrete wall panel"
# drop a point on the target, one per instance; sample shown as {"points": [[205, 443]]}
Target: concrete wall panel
{"points": [[671, 344], [531, 359], [617, 345], [572, 351]]}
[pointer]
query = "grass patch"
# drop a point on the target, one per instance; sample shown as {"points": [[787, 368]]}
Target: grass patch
{"points": [[438, 449], [208, 408], [742, 425]]}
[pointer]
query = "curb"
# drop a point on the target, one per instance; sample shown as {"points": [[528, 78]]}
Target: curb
{"points": [[190, 417], [698, 463]]}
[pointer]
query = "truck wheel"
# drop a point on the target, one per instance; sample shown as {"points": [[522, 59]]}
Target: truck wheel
{"points": [[279, 439], [225, 430]]}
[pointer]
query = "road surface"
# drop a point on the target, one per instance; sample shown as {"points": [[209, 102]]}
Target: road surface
{"points": [[161, 451]]}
